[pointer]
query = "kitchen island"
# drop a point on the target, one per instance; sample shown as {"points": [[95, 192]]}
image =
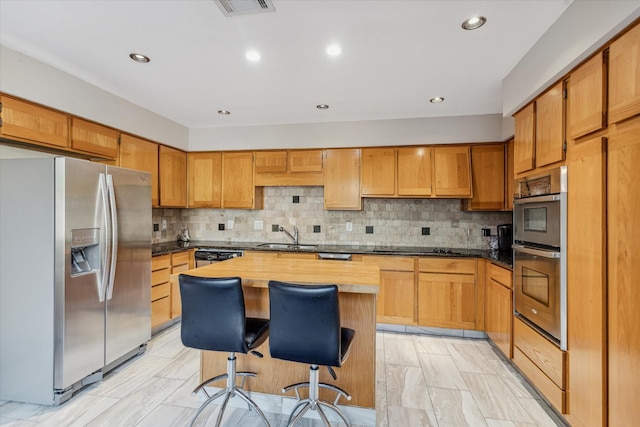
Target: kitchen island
{"points": [[358, 285]]}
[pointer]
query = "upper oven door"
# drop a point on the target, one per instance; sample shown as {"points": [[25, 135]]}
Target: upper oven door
{"points": [[537, 220]]}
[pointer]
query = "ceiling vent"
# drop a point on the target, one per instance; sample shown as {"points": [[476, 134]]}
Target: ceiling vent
{"points": [[244, 7]]}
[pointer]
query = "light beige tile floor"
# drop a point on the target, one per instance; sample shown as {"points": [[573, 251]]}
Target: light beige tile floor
{"points": [[421, 381]]}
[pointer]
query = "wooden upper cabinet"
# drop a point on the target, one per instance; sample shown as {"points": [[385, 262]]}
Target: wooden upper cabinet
{"points": [[509, 177], [414, 171], [549, 141], [624, 76], [305, 161], [452, 171], [172, 177], [238, 189], [24, 121], [205, 180], [142, 155], [586, 90], [488, 177], [93, 138], [271, 161], [524, 139], [378, 172], [342, 179]]}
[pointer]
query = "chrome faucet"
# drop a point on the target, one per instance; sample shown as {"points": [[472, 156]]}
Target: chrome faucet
{"points": [[295, 234]]}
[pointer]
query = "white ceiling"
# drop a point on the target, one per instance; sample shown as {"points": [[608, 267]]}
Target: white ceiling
{"points": [[396, 55]]}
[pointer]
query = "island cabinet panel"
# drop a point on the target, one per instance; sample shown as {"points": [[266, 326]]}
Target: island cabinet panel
{"points": [[378, 172], [452, 172], [415, 171], [205, 180], [624, 76], [488, 178], [93, 138], [342, 179], [238, 189], [396, 298], [447, 293], [139, 154], [24, 121], [498, 313], [586, 282], [172, 171], [549, 122], [524, 149], [586, 95], [623, 246]]}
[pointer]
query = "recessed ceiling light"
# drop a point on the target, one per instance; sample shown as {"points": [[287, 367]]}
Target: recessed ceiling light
{"points": [[138, 57], [322, 107], [474, 22], [253, 56], [224, 112], [334, 50], [436, 100]]}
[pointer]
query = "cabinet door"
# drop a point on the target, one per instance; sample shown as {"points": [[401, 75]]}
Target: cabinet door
{"points": [[550, 127], [94, 138], [487, 171], [452, 171], [509, 178], [238, 190], [623, 253], [378, 171], [172, 172], [447, 300], [205, 180], [498, 316], [31, 123], [624, 76], [342, 179], [305, 161], [271, 161], [414, 171], [142, 155], [586, 280], [585, 98], [395, 300], [524, 139]]}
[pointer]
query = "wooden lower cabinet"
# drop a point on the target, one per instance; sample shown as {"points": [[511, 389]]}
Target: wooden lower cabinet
{"points": [[165, 294], [498, 314], [396, 298]]}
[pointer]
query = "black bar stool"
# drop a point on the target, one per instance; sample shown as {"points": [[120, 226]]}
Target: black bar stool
{"points": [[213, 318], [305, 327]]}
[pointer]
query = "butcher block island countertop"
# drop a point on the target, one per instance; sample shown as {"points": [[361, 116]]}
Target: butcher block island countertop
{"points": [[357, 283]]}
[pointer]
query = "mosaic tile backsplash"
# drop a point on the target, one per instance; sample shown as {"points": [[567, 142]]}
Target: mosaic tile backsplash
{"points": [[397, 222]]}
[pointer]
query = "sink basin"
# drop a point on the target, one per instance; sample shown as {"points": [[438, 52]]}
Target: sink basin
{"points": [[287, 246]]}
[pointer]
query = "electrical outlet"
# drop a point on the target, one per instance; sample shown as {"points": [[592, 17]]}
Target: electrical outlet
{"points": [[486, 232], [349, 226], [258, 225], [164, 224], [229, 224]]}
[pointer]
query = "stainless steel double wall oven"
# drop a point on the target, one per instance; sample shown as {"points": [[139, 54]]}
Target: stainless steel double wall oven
{"points": [[540, 253]]}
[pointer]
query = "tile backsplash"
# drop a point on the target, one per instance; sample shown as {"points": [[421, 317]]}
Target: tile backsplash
{"points": [[397, 222]]}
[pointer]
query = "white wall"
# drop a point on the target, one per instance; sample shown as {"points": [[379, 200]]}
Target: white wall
{"points": [[585, 27], [30, 79]]}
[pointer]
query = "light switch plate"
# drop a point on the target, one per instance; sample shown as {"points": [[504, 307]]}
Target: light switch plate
{"points": [[229, 224], [258, 225], [164, 224], [349, 226]]}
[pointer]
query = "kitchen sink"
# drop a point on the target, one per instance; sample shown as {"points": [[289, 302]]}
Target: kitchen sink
{"points": [[287, 246]]}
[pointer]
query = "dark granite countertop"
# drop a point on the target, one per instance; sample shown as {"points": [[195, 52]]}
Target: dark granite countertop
{"points": [[503, 259]]}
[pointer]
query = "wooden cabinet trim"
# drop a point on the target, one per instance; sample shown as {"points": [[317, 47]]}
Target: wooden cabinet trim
{"points": [[447, 265]]}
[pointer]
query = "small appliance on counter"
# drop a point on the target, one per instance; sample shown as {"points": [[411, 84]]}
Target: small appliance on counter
{"points": [[505, 237]]}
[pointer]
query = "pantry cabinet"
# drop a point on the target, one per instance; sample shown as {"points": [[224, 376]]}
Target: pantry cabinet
{"points": [[624, 76], [396, 297], [498, 313], [172, 171], [342, 179], [238, 189], [140, 154], [586, 91], [204, 180]]}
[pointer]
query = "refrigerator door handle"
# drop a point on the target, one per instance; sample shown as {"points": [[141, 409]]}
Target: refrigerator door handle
{"points": [[114, 235], [104, 247]]}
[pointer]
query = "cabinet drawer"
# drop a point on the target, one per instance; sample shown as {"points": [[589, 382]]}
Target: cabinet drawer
{"points": [[390, 263], [160, 276], [501, 275], [548, 388], [179, 268], [448, 265], [160, 291], [549, 358], [160, 262], [160, 311], [178, 258]]}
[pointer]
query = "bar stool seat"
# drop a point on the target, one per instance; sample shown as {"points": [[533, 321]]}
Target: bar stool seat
{"points": [[213, 318], [305, 327]]}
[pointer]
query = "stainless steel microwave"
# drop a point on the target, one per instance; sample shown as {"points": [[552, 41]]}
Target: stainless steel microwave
{"points": [[536, 220]]}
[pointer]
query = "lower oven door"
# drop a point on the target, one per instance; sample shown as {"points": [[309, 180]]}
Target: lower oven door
{"points": [[537, 287]]}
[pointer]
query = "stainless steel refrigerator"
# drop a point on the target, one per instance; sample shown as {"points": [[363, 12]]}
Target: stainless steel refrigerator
{"points": [[75, 274]]}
